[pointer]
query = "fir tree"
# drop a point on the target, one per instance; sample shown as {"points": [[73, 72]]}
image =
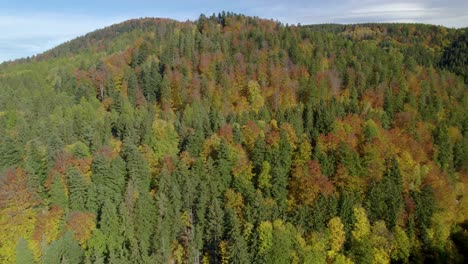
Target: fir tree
{"points": [[77, 189], [35, 165], [23, 253], [57, 193], [64, 250]]}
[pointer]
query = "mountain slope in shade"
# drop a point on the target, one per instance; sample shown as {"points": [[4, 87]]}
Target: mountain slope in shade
{"points": [[455, 56]]}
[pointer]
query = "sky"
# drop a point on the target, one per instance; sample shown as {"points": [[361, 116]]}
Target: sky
{"points": [[29, 27]]}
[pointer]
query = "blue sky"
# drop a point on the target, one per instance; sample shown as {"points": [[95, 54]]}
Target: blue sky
{"points": [[31, 27]]}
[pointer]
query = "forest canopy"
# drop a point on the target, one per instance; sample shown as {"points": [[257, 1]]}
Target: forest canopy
{"points": [[235, 139]]}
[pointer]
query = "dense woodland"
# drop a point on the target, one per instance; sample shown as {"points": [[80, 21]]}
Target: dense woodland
{"points": [[233, 139]]}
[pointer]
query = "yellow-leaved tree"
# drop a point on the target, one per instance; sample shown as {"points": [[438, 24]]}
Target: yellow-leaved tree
{"points": [[17, 215], [337, 236], [165, 140]]}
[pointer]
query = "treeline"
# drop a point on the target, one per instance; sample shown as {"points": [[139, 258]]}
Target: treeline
{"points": [[233, 139]]}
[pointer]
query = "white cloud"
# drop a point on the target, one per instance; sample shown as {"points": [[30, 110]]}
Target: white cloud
{"points": [[451, 13], [394, 8]]}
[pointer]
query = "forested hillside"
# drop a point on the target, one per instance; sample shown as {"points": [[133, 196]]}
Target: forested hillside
{"points": [[234, 139]]}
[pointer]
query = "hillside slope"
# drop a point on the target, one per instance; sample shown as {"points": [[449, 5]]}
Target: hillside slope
{"points": [[234, 139]]}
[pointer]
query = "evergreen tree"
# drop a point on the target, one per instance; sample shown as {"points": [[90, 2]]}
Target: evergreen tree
{"points": [[347, 203], [215, 218], [460, 155], [350, 159], [327, 162], [169, 207], [445, 148], [385, 199], [109, 177], [132, 84], [353, 100], [77, 189], [137, 168], [35, 165], [238, 252], [389, 103], [224, 166], [110, 227], [64, 250], [258, 154], [10, 152], [57, 195], [23, 253], [425, 206], [323, 118], [145, 220], [195, 143], [151, 82], [165, 92], [92, 202], [281, 160]]}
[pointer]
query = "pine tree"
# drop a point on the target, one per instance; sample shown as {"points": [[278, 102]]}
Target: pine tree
{"points": [[238, 252], [137, 167], [327, 162], [110, 227], [445, 148], [281, 161], [23, 253], [353, 97], [92, 202], [215, 217], [10, 152], [145, 221], [127, 217], [347, 202], [323, 118], [385, 199], [54, 145], [132, 84], [115, 181], [57, 193], [108, 177], [152, 82], [394, 189], [308, 116], [169, 207], [77, 189], [64, 250], [389, 103], [258, 154], [460, 155], [35, 165], [350, 159], [166, 92], [425, 206], [224, 166], [101, 171], [195, 143]]}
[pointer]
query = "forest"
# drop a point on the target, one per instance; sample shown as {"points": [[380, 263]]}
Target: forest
{"points": [[236, 139]]}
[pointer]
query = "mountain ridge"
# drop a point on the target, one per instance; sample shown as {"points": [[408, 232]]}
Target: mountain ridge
{"points": [[150, 21]]}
